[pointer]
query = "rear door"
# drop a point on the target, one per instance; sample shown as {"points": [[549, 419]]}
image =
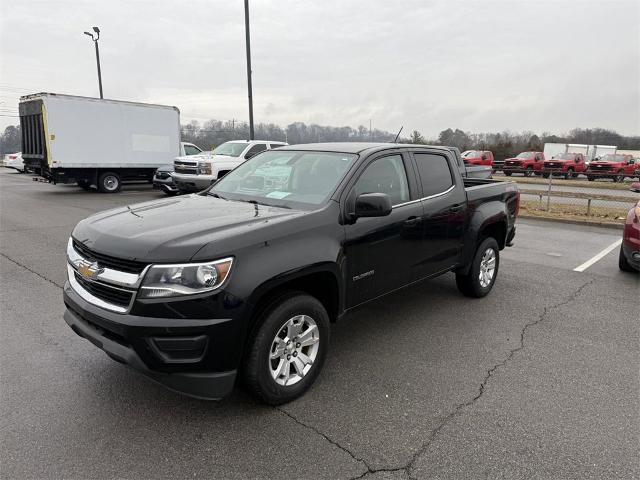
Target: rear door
{"points": [[444, 211], [383, 253]]}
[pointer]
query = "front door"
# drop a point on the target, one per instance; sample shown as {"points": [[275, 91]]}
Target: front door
{"points": [[382, 253]]}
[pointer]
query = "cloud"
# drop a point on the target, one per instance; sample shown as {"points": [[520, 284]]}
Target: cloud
{"points": [[428, 65]]}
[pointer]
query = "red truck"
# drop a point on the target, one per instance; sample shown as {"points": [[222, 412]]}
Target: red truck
{"points": [[568, 165], [478, 157], [526, 163], [613, 166]]}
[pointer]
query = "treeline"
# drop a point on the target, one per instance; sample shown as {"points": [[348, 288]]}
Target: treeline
{"points": [[503, 144], [215, 132]]}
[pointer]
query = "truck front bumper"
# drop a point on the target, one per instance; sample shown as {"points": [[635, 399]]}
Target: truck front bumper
{"points": [[193, 183], [172, 352]]}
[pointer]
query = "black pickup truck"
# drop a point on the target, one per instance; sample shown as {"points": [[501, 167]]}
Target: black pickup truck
{"points": [[243, 279]]}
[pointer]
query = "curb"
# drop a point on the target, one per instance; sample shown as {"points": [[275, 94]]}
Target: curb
{"points": [[616, 226]]}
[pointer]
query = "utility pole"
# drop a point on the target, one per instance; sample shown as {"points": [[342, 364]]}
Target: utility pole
{"points": [[246, 29], [95, 42]]}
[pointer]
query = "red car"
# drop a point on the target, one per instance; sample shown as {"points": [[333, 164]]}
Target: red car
{"points": [[478, 157], [568, 165], [526, 163], [629, 260], [613, 166]]}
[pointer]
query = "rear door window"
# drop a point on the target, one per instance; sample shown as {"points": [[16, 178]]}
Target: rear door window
{"points": [[256, 149], [434, 172]]}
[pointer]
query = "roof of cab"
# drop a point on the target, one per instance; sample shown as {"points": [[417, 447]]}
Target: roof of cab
{"points": [[355, 147]]}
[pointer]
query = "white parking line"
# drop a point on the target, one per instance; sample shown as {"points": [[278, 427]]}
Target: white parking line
{"points": [[598, 256]]}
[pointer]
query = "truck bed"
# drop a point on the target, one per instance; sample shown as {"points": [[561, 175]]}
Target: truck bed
{"points": [[484, 189]]}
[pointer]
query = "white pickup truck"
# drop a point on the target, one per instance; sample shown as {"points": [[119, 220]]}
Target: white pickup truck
{"points": [[196, 172]]}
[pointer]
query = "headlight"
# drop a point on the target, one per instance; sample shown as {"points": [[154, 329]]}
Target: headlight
{"points": [[205, 168], [189, 279]]}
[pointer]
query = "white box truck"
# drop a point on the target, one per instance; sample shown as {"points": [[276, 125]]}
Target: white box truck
{"points": [[90, 141]]}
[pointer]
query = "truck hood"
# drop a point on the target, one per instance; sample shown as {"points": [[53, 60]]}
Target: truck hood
{"points": [[173, 230], [206, 156], [600, 162]]}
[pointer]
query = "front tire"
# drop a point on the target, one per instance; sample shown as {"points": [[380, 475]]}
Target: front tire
{"points": [[546, 174], [620, 177], [287, 350], [508, 174], [591, 178], [623, 263], [529, 172], [483, 272], [109, 182]]}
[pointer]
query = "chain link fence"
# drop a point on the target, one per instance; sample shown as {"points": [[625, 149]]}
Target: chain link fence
{"points": [[597, 196]]}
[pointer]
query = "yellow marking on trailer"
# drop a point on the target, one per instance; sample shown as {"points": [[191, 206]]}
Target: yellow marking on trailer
{"points": [[46, 135]]}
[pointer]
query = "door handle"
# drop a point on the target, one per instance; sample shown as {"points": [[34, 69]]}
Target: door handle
{"points": [[457, 208], [412, 221]]}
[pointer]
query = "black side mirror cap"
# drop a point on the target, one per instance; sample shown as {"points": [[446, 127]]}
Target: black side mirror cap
{"points": [[373, 205]]}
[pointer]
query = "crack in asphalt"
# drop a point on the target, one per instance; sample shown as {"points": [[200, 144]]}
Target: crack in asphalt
{"points": [[30, 270], [407, 468]]}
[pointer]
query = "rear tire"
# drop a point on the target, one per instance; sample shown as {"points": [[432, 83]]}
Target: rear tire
{"points": [[529, 172], [271, 370], [109, 182], [623, 264], [480, 279], [546, 174], [508, 174], [591, 178]]}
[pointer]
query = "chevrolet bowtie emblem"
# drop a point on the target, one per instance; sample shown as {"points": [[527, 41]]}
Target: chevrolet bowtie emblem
{"points": [[89, 269]]}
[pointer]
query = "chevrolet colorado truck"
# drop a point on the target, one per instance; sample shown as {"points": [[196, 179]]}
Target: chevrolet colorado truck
{"points": [[613, 166], [568, 165], [527, 163], [195, 173], [241, 281]]}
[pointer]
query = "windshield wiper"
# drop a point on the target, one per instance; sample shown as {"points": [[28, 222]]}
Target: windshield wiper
{"points": [[255, 202]]}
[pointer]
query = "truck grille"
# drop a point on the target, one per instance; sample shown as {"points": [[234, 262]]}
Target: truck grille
{"points": [[129, 266], [185, 167], [115, 296], [601, 167]]}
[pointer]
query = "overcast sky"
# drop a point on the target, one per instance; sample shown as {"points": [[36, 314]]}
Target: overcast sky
{"points": [[428, 65]]}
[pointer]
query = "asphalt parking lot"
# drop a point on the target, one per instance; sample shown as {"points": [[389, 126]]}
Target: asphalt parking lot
{"points": [[538, 380]]}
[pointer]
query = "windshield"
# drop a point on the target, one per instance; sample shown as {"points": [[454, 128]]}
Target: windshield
{"points": [[525, 155], [564, 156], [471, 153], [613, 158], [285, 178], [230, 149]]}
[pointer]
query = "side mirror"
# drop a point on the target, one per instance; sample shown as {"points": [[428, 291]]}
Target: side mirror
{"points": [[373, 205]]}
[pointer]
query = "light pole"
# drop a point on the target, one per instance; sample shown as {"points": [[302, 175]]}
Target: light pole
{"points": [[95, 42], [246, 29]]}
